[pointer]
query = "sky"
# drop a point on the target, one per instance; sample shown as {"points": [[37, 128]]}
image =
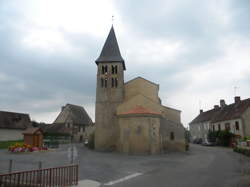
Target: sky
{"points": [[197, 51]]}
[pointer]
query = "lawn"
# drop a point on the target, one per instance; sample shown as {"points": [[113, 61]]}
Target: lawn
{"points": [[6, 144]]}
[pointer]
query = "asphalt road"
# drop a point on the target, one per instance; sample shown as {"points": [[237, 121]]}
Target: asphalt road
{"points": [[202, 167], [199, 167]]}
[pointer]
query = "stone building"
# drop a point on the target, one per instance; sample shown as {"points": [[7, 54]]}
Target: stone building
{"points": [[234, 117], [129, 116], [12, 125], [72, 120]]}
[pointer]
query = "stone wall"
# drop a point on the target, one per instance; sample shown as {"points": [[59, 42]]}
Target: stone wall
{"points": [[139, 134], [141, 86], [107, 100]]}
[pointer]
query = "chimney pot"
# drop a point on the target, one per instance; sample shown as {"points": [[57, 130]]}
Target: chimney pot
{"points": [[216, 106], [237, 99], [222, 103], [201, 111]]}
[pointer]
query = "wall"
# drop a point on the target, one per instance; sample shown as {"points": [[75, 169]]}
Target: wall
{"points": [[141, 86], [232, 126], [246, 122], [139, 135], [10, 134], [171, 114], [199, 130], [179, 141], [139, 100]]}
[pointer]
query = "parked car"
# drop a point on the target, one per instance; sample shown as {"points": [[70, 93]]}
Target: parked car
{"points": [[208, 142], [197, 141]]}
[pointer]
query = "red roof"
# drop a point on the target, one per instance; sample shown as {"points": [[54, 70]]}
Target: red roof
{"points": [[140, 110]]}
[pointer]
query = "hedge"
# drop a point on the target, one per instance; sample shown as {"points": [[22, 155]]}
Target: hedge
{"points": [[243, 151]]}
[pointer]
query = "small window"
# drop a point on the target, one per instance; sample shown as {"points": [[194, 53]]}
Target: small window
{"points": [[237, 127], [116, 82], [172, 136], [219, 128], [103, 69], [102, 82], [114, 69], [106, 69], [213, 128], [112, 82], [106, 83]]}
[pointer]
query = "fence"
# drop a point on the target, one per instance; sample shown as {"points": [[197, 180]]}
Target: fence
{"points": [[49, 177]]}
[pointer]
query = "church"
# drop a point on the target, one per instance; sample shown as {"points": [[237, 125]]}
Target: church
{"points": [[129, 116]]}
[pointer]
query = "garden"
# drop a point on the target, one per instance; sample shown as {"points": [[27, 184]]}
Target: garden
{"points": [[22, 147]]}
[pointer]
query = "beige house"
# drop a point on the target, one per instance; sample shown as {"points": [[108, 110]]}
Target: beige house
{"points": [[234, 117], [72, 120], [129, 116]]}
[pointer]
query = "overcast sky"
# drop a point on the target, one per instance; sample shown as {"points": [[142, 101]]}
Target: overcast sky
{"points": [[196, 50]]}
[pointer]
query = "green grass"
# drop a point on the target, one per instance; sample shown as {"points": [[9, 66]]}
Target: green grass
{"points": [[6, 144]]}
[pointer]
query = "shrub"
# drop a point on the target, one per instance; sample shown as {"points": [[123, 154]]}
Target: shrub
{"points": [[243, 151]]}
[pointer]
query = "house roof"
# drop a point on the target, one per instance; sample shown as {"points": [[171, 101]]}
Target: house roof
{"points": [[140, 110], [12, 120], [110, 51], [232, 111], [74, 113], [228, 112], [32, 130], [205, 116], [58, 128]]}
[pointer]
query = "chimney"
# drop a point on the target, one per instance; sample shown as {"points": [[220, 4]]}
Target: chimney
{"points": [[62, 108], [237, 99], [216, 106], [222, 103], [201, 111]]}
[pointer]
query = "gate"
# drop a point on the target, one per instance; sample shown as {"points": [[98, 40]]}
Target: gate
{"points": [[49, 177]]}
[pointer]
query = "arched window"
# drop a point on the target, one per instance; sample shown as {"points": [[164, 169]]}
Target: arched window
{"points": [[102, 82], [116, 82], [106, 83], [112, 82], [171, 135], [114, 69], [106, 69]]}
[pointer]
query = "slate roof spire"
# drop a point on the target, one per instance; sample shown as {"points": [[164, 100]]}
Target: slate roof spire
{"points": [[110, 51]]}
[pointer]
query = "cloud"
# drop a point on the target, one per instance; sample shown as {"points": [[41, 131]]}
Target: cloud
{"points": [[196, 51]]}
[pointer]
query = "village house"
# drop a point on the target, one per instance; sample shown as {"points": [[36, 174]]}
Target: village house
{"points": [[72, 120], [129, 115], [234, 117], [12, 125]]}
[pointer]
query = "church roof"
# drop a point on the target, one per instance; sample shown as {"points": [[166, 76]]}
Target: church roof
{"points": [[140, 110], [110, 51]]}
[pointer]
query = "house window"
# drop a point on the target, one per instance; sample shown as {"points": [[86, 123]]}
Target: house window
{"points": [[219, 128], [227, 126], [213, 127], [237, 127], [172, 136]]}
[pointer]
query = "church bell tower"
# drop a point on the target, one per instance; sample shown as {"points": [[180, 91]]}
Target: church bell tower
{"points": [[109, 93]]}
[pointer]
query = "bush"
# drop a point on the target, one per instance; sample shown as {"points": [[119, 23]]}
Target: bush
{"points": [[242, 151], [223, 137], [6, 144]]}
